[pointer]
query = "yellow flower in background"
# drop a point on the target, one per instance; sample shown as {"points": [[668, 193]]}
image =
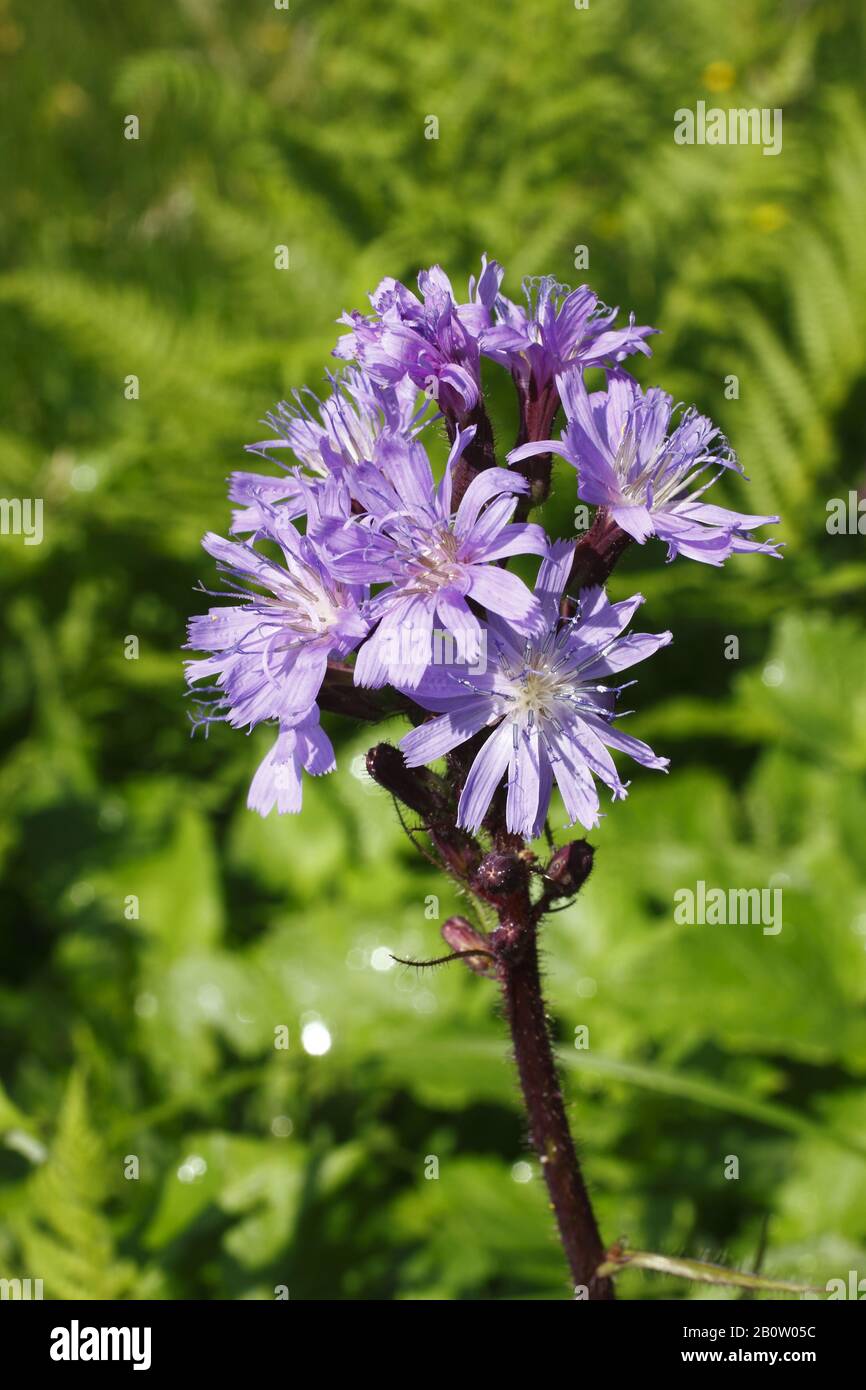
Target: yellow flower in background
{"points": [[769, 217], [609, 224], [11, 37], [66, 101], [271, 36], [719, 76]]}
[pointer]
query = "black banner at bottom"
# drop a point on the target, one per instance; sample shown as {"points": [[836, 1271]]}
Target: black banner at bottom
{"points": [[81, 1339]]}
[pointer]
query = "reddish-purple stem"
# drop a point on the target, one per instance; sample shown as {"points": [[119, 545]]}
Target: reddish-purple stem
{"points": [[548, 1123]]}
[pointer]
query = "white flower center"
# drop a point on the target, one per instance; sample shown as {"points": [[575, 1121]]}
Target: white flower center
{"points": [[307, 609], [532, 694]]}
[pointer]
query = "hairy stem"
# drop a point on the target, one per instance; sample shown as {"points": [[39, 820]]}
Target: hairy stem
{"points": [[479, 454], [503, 879], [537, 412], [548, 1125], [597, 553]]}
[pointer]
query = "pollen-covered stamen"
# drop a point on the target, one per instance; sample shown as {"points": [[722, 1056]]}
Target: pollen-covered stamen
{"points": [[304, 605], [431, 557], [640, 482], [674, 467]]}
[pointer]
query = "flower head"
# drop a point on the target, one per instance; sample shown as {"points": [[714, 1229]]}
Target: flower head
{"points": [[354, 424], [432, 340], [550, 715], [634, 460], [559, 329], [433, 560], [268, 654]]}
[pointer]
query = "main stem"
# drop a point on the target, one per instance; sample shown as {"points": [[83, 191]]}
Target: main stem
{"points": [[548, 1125]]}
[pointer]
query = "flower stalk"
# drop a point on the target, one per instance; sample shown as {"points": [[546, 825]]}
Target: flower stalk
{"points": [[545, 1108], [504, 880]]}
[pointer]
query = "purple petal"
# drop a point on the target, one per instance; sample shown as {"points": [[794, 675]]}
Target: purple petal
{"points": [[574, 780], [597, 757], [625, 743], [637, 521], [379, 659], [457, 617], [600, 621], [692, 539], [220, 629], [519, 538], [239, 556], [637, 646], [484, 777], [298, 683], [534, 447], [483, 488], [506, 594], [530, 783], [584, 420], [741, 545], [411, 641], [553, 575], [438, 736], [618, 343], [277, 781], [259, 487], [316, 750], [720, 516]]}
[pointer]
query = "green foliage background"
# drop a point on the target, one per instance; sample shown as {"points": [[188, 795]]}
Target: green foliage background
{"points": [[154, 1037]]}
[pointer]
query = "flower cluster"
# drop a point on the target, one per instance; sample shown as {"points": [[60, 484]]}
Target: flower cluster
{"points": [[352, 562]]}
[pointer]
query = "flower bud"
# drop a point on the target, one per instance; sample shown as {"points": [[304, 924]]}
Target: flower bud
{"points": [[462, 936], [569, 869], [499, 877], [428, 795], [416, 787]]}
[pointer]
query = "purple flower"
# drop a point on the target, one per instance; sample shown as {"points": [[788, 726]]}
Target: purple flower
{"points": [[562, 328], [355, 424], [633, 461], [433, 561], [269, 653], [303, 746], [377, 559], [550, 717], [432, 340]]}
